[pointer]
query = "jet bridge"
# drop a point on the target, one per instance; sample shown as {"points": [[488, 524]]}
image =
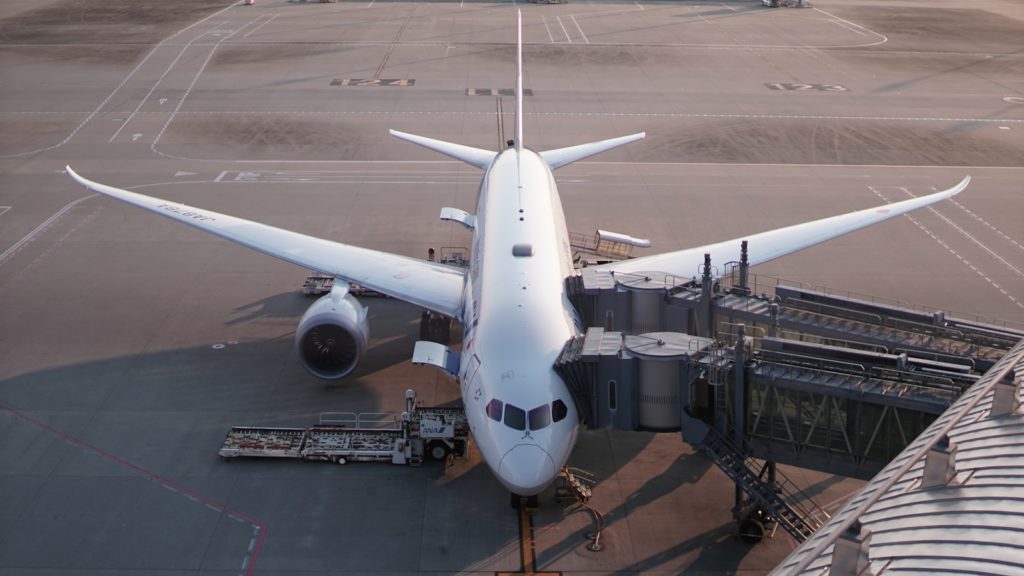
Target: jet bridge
{"points": [[775, 373]]}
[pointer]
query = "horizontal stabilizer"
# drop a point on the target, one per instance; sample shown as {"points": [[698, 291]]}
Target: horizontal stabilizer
{"points": [[473, 156], [563, 156]]}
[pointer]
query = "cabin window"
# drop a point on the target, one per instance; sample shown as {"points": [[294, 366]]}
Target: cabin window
{"points": [[494, 410], [540, 417], [515, 417], [613, 400], [559, 410]]}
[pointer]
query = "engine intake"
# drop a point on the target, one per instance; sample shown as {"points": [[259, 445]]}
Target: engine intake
{"points": [[333, 334]]}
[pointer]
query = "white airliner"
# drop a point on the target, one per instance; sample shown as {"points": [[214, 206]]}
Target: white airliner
{"points": [[511, 301]]}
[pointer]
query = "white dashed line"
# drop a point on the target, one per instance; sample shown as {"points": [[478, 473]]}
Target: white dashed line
{"points": [[954, 252], [969, 236], [119, 86], [188, 91], [986, 223], [584, 36], [28, 237]]}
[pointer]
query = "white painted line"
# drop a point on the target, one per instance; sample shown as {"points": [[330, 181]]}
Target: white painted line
{"points": [[564, 31], [854, 24], [551, 38], [968, 235], [639, 5], [264, 23], [28, 237], [220, 176], [4, 209], [850, 28], [195, 79], [119, 86], [585, 39], [986, 223]]}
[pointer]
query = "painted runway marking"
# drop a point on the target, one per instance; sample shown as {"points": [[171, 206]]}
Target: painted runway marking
{"points": [[551, 38], [39, 229], [969, 236], [195, 79], [264, 23], [976, 270], [584, 36], [152, 89], [564, 31], [850, 28], [837, 20], [119, 86], [259, 529], [603, 114], [4, 210], [986, 223]]}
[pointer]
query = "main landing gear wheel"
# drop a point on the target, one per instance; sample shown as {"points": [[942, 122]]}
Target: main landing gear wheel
{"points": [[438, 451], [751, 530]]}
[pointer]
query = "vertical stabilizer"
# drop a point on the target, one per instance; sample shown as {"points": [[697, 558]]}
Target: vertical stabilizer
{"points": [[519, 83]]}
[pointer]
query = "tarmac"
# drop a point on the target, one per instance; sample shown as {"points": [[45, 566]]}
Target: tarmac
{"points": [[129, 345]]}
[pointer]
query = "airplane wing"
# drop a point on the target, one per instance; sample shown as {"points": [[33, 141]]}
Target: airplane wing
{"points": [[434, 286], [767, 246]]}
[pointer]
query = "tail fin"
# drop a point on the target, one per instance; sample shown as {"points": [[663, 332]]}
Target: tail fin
{"points": [[483, 158], [519, 83]]}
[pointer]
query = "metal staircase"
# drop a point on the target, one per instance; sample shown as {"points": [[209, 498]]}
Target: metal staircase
{"points": [[778, 500]]}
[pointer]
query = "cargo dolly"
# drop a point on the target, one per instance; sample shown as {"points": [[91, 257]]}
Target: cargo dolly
{"points": [[434, 432]]}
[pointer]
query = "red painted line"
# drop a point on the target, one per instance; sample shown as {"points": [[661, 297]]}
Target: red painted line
{"points": [[153, 476]]}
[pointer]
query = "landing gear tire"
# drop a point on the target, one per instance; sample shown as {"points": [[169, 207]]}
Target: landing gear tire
{"points": [[751, 530], [530, 503], [435, 328], [438, 451]]}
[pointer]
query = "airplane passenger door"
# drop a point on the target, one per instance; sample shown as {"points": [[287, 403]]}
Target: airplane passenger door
{"points": [[469, 375]]}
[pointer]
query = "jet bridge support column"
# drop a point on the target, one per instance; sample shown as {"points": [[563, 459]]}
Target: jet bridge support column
{"points": [[739, 391], [705, 324], [744, 285]]}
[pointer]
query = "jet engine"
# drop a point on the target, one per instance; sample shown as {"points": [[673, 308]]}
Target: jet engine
{"points": [[332, 335]]}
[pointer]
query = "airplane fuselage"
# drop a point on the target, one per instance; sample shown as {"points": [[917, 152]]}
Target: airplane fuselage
{"points": [[517, 318]]}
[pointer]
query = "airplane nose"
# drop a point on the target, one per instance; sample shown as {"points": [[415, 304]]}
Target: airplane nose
{"points": [[526, 470]]}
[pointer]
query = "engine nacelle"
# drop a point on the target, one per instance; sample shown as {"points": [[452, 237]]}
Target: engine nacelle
{"points": [[333, 334]]}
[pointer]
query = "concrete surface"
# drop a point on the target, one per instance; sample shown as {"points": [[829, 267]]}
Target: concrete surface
{"points": [[129, 345]]}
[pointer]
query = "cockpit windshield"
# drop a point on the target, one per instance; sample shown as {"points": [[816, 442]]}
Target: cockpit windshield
{"points": [[516, 418], [540, 417]]}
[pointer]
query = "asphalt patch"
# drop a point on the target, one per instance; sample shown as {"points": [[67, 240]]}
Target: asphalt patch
{"points": [[929, 27], [271, 136], [104, 21], [815, 141]]}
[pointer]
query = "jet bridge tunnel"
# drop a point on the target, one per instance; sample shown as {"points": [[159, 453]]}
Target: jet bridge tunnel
{"points": [[758, 373]]}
